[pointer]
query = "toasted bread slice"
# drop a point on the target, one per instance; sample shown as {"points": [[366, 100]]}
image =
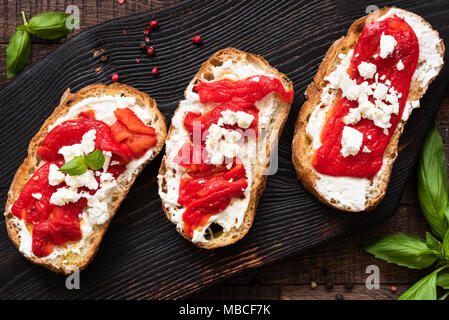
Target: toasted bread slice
{"points": [[85, 252], [353, 194], [238, 65]]}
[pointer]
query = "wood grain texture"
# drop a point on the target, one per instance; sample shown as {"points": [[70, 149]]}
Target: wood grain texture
{"points": [[129, 245]]}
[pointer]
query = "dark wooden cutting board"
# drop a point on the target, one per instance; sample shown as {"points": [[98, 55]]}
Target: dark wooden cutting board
{"points": [[142, 256]]}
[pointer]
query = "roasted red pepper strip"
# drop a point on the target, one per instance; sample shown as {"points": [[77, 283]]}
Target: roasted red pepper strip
{"points": [[208, 196], [64, 226], [71, 132], [130, 130], [127, 117], [32, 209], [242, 93], [328, 158]]}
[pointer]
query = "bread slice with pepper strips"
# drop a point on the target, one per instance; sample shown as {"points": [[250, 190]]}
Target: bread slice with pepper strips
{"points": [[430, 62], [231, 64], [85, 251]]}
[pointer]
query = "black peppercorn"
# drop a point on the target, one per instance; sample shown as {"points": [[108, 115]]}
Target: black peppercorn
{"points": [[329, 284], [339, 297], [104, 58], [349, 286], [143, 46]]}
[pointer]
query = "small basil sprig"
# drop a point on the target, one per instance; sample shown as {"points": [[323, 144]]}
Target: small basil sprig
{"points": [[415, 252], [49, 25], [75, 167], [95, 160], [78, 165]]}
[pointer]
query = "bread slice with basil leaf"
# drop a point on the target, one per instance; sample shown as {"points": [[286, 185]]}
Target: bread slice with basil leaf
{"points": [[354, 192], [230, 224], [105, 101]]}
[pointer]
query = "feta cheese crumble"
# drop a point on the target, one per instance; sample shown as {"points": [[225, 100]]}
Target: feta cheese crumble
{"points": [[55, 176], [86, 146], [387, 45], [222, 143], [87, 179], [243, 119], [37, 196], [351, 141], [62, 196], [367, 70], [366, 149]]}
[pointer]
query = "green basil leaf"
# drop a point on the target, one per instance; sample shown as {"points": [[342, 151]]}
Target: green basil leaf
{"points": [[432, 184], [75, 167], [444, 296], [445, 246], [17, 53], [95, 160], [404, 250], [424, 289], [434, 244], [49, 25], [21, 28], [443, 279]]}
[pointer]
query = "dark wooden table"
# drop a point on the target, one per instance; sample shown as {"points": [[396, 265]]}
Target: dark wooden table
{"points": [[341, 262]]}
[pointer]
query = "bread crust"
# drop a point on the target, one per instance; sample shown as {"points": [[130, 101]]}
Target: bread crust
{"points": [[30, 165], [258, 185], [302, 151]]}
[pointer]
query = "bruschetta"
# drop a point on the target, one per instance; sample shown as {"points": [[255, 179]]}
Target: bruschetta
{"points": [[347, 132], [219, 146], [79, 168]]}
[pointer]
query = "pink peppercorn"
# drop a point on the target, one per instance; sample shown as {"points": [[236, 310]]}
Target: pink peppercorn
{"points": [[154, 24], [150, 51], [196, 39]]}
